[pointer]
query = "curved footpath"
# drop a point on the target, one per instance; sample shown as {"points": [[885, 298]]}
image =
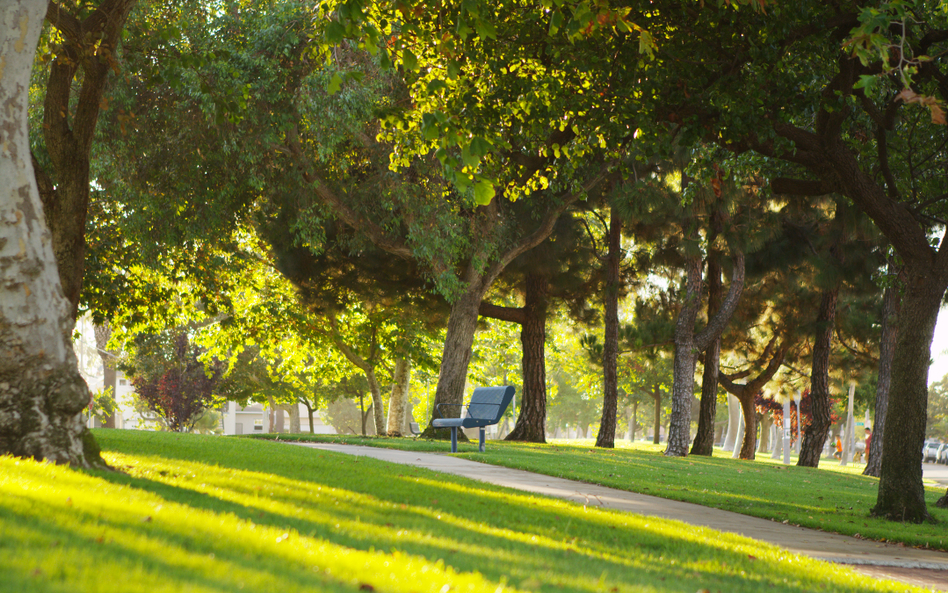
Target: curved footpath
{"points": [[921, 567]]}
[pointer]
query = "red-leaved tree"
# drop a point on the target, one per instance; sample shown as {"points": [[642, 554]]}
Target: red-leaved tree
{"points": [[182, 391]]}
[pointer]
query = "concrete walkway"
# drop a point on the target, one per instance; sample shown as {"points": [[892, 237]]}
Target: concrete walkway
{"points": [[925, 568]]}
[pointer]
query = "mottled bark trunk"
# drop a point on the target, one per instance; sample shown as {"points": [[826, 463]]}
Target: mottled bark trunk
{"points": [[901, 494], [531, 421], [891, 305], [398, 402], [704, 439], [815, 435], [610, 351], [41, 392], [633, 414]]}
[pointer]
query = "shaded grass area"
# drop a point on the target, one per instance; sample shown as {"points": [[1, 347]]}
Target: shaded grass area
{"points": [[830, 498], [193, 513]]}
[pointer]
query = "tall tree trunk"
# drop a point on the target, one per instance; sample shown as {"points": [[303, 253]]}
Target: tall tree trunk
{"points": [[88, 45], [679, 436], [42, 393], [398, 403], [704, 439], [901, 494], [657, 419], [815, 436], [531, 421], [891, 305], [687, 344], [102, 335], [456, 357], [610, 351]]}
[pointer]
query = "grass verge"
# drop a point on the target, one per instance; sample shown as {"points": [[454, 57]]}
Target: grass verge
{"points": [[830, 498], [193, 513]]}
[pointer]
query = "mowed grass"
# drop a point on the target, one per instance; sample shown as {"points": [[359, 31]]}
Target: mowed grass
{"points": [[195, 513], [830, 498]]}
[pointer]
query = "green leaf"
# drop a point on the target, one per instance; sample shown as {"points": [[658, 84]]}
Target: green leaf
{"points": [[436, 85], [483, 192], [409, 61], [335, 83]]}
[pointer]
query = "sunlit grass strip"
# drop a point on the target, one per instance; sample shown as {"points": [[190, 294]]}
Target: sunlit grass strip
{"points": [[208, 513], [831, 498], [92, 532]]}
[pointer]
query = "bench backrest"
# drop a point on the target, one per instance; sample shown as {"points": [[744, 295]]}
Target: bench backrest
{"points": [[490, 403]]}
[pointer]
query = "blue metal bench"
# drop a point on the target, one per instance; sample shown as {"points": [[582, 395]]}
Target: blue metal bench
{"points": [[487, 406]]}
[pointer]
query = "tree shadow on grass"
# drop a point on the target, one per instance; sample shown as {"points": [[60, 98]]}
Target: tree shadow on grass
{"points": [[366, 504]]}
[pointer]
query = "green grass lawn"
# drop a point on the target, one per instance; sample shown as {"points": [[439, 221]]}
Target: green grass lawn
{"points": [[213, 514], [830, 498]]}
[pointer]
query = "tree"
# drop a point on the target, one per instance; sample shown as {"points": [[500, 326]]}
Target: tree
{"points": [[85, 52], [780, 84], [43, 394], [175, 384]]}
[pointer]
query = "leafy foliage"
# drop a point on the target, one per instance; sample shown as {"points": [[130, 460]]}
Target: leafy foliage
{"points": [[176, 385]]}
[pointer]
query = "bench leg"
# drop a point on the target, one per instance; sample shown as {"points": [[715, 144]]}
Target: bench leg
{"points": [[481, 444], [454, 439]]}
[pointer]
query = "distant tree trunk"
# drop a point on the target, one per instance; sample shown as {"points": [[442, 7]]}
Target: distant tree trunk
{"points": [[102, 335], [531, 421], [891, 304], [657, 419], [687, 343], [310, 415], [610, 351], [766, 422], [704, 439], [815, 436], [398, 402], [42, 394], [633, 414], [774, 354]]}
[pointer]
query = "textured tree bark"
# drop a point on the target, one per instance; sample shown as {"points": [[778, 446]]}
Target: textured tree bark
{"points": [[901, 494], [610, 351], [704, 439], [687, 344], [41, 392], [679, 436], [531, 421], [456, 357], [398, 402], [69, 122], [891, 305], [815, 435]]}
